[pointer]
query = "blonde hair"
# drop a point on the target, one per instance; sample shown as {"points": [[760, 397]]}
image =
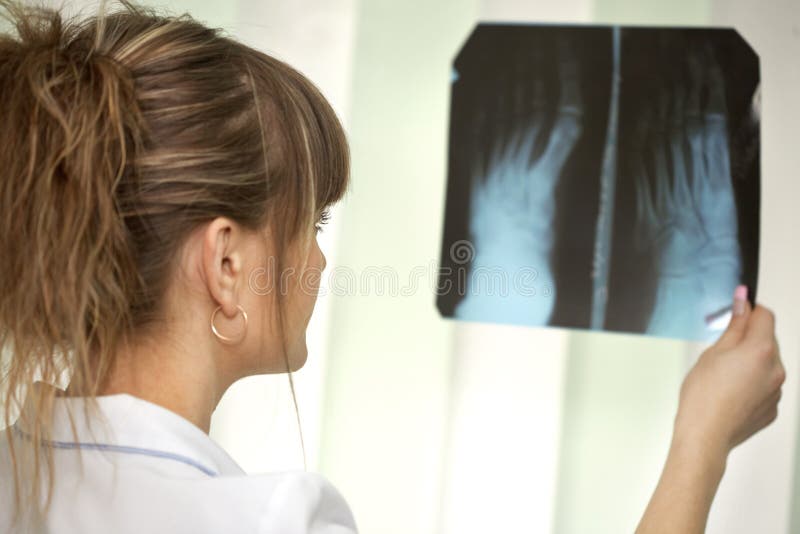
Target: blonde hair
{"points": [[122, 133]]}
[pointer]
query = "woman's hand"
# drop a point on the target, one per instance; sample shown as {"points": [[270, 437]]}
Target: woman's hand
{"points": [[733, 390], [731, 393]]}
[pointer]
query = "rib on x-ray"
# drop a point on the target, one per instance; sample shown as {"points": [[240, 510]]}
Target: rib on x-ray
{"points": [[603, 178]]}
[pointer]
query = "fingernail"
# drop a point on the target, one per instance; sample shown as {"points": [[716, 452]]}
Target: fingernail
{"points": [[739, 300]]}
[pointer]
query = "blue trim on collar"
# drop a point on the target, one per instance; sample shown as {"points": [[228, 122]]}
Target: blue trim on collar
{"points": [[120, 448]]}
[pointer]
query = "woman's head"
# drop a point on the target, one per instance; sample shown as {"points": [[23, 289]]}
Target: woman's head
{"points": [[154, 171]]}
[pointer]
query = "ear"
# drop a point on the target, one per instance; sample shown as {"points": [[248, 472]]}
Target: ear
{"points": [[222, 262]]}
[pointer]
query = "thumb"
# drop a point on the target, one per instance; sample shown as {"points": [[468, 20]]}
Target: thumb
{"points": [[735, 331]]}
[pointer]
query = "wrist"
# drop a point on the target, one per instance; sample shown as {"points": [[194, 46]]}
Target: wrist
{"points": [[688, 484], [701, 446]]}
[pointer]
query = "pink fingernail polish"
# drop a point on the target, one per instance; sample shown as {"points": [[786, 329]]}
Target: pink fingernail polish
{"points": [[739, 300]]}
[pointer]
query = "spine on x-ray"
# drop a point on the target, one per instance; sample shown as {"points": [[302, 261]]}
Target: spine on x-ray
{"points": [[605, 216]]}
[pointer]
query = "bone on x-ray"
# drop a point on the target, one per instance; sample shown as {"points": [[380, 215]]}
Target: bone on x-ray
{"points": [[602, 178]]}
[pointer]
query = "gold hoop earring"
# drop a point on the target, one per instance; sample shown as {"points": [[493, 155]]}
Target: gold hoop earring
{"points": [[225, 339]]}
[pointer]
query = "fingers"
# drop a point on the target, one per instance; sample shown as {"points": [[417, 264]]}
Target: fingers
{"points": [[716, 88], [499, 133], [769, 374], [694, 124], [521, 72], [693, 99], [695, 131], [498, 98], [681, 191], [768, 410], [760, 330], [538, 102], [664, 205], [780, 370], [568, 125], [716, 125], [530, 102], [528, 113], [477, 106], [707, 128], [759, 337], [569, 79], [735, 331], [645, 210], [518, 111]]}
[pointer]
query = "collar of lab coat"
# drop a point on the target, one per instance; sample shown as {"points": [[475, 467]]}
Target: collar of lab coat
{"points": [[132, 426]]}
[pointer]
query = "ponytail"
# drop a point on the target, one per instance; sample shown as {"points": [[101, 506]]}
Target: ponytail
{"points": [[68, 126]]}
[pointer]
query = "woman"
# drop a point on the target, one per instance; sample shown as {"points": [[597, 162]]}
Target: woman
{"points": [[162, 188]]}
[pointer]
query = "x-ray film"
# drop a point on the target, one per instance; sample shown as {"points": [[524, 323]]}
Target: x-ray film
{"points": [[603, 178]]}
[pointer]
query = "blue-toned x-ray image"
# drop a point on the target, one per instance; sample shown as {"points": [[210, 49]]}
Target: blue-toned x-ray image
{"points": [[602, 178]]}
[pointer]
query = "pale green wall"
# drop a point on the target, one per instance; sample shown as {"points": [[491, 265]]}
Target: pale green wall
{"points": [[386, 397], [619, 402], [217, 14], [653, 12]]}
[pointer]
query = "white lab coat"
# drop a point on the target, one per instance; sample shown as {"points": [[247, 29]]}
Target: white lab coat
{"points": [[154, 471]]}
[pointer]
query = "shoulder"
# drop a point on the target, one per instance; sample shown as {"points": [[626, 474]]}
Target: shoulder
{"points": [[289, 502], [306, 500], [133, 498]]}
